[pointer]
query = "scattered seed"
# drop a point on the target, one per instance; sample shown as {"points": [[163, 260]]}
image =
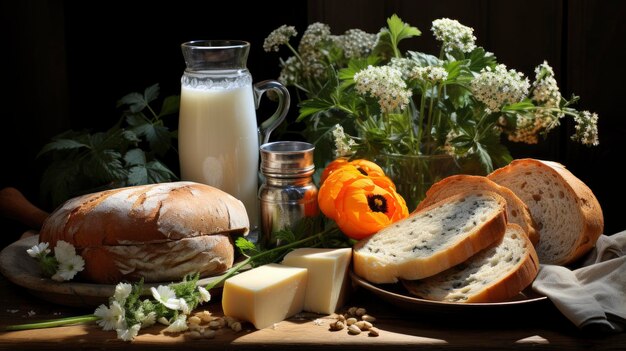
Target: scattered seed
{"points": [[341, 317], [236, 326], [351, 321], [336, 325], [194, 320], [374, 331], [209, 334], [368, 318], [194, 334], [352, 311], [360, 312], [354, 330], [215, 325]]}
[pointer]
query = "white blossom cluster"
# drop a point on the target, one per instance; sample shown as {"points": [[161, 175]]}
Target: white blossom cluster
{"points": [[429, 74], [343, 142], [586, 128], [309, 48], [280, 36], [356, 43], [545, 88], [384, 83], [404, 65], [290, 72], [498, 87], [114, 316], [454, 35], [67, 262]]}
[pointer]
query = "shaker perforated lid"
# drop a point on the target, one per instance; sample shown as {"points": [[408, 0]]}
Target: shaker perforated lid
{"points": [[287, 158]]}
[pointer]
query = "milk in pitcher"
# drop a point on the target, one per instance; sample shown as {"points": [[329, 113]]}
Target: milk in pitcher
{"points": [[220, 143]]}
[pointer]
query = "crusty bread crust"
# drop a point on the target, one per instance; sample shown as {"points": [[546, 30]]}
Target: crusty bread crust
{"points": [[145, 214], [582, 227], [157, 231], [517, 211], [384, 268], [158, 262], [467, 283]]}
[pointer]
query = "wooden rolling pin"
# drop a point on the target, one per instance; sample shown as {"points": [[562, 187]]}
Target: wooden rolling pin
{"points": [[15, 206]]}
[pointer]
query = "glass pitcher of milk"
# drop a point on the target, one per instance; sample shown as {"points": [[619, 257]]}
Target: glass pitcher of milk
{"points": [[218, 136]]}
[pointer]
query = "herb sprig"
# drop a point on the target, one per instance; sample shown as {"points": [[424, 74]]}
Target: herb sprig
{"points": [[129, 153]]}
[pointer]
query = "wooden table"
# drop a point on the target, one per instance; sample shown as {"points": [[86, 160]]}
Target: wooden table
{"points": [[538, 328]]}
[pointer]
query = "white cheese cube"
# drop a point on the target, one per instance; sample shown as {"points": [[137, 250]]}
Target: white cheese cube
{"points": [[327, 285], [265, 295]]}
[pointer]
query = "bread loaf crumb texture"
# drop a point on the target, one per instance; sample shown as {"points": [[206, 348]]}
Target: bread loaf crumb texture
{"points": [[472, 277], [424, 233]]}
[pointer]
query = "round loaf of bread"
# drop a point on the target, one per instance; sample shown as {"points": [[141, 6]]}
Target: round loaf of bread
{"points": [[516, 209], [158, 232], [567, 213]]}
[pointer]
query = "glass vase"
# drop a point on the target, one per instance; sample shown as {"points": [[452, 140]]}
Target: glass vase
{"points": [[414, 174]]}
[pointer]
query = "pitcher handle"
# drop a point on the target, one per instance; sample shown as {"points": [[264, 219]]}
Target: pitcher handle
{"points": [[268, 126]]}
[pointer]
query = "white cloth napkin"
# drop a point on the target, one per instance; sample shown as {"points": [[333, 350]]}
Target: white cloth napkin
{"points": [[592, 296]]}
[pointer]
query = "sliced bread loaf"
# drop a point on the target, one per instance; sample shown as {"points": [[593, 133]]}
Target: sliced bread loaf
{"points": [[568, 215], [495, 274], [516, 210], [432, 240]]}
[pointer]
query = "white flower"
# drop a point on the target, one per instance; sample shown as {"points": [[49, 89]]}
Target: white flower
{"points": [[64, 251], [343, 143], [146, 320], [110, 317], [68, 268], [40, 249], [163, 321], [205, 296], [384, 83], [356, 43], [128, 334], [278, 37], [183, 306], [586, 128], [179, 325], [454, 35], [430, 74], [122, 291], [499, 87], [545, 88], [166, 296]]}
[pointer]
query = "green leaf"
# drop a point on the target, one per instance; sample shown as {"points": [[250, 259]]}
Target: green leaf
{"points": [[400, 30], [135, 102], [171, 105], [61, 144], [137, 175], [159, 173], [151, 93], [158, 136], [480, 59], [135, 157], [423, 59]]}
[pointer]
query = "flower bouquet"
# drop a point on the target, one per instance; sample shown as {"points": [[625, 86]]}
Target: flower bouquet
{"points": [[374, 101]]}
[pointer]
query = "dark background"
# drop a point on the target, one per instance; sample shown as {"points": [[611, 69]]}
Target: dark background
{"points": [[66, 63]]}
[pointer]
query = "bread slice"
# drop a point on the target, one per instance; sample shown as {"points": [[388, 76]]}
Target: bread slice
{"points": [[568, 215], [432, 240], [495, 274], [516, 210]]}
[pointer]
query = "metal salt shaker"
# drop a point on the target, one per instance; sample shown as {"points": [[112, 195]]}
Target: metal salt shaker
{"points": [[288, 193]]}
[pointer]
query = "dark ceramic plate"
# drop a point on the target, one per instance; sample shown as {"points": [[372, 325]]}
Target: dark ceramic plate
{"points": [[397, 295]]}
